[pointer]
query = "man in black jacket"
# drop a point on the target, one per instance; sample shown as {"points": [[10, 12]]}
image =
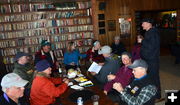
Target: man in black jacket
{"points": [[150, 51], [118, 47]]}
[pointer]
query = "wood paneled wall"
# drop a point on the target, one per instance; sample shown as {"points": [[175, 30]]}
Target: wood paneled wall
{"points": [[126, 8]]}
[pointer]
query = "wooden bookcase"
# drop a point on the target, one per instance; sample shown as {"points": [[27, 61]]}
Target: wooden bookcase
{"points": [[25, 23]]}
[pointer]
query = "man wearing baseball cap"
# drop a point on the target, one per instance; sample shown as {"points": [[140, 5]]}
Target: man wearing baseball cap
{"points": [[44, 90], [13, 88], [110, 66], [141, 91], [150, 51], [47, 53], [23, 68]]}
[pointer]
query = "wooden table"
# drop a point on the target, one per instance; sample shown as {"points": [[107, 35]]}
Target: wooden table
{"points": [[104, 100]]}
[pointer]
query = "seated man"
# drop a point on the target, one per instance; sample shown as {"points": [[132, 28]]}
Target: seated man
{"points": [[13, 88], [43, 90], [118, 47], [141, 91], [24, 69], [110, 66], [123, 76]]}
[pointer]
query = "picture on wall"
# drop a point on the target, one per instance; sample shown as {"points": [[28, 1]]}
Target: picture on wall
{"points": [[111, 25]]}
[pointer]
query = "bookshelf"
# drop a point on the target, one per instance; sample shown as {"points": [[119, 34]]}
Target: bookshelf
{"points": [[25, 23]]}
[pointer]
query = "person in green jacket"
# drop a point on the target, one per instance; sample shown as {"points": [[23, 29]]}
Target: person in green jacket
{"points": [[24, 68]]}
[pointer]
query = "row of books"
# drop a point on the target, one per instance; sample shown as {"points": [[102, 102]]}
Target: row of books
{"points": [[7, 43], [72, 36], [64, 30], [23, 42], [9, 68], [25, 33], [38, 40], [78, 43], [72, 5], [13, 51], [44, 15], [17, 8], [45, 31], [16, 1], [43, 24]]}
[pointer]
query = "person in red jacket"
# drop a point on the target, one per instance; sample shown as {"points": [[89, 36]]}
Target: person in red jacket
{"points": [[44, 88], [92, 53]]}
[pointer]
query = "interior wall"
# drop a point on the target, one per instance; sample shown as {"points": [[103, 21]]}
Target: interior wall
{"points": [[126, 8]]}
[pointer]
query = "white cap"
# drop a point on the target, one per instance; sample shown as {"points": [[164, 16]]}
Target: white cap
{"points": [[105, 50], [12, 79]]}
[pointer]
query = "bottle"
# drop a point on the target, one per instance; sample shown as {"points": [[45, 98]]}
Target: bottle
{"points": [[95, 99], [79, 101]]}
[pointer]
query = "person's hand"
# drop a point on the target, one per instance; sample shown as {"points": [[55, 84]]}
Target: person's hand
{"points": [[93, 49], [105, 92], [111, 77], [93, 73], [65, 80], [118, 87], [101, 64], [57, 65], [30, 71], [72, 63]]}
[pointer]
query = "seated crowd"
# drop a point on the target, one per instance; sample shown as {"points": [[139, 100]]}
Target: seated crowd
{"points": [[122, 80]]}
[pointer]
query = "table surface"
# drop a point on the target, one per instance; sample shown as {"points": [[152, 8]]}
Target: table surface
{"points": [[104, 100]]}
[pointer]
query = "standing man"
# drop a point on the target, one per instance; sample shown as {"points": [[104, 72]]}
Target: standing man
{"points": [[150, 51]]}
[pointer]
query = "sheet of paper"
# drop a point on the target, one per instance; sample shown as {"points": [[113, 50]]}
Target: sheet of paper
{"points": [[94, 68]]}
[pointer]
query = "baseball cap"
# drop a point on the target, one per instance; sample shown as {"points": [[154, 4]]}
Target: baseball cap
{"points": [[45, 42], [12, 79], [105, 50], [138, 63], [148, 20], [19, 55], [42, 65]]}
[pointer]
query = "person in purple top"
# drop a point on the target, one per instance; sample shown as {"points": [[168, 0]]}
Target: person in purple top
{"points": [[123, 76], [136, 48]]}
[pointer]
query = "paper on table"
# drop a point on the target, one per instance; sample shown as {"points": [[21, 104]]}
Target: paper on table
{"points": [[94, 68], [76, 87]]}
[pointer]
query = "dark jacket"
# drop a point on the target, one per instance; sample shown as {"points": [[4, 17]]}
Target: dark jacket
{"points": [[50, 57], [8, 101], [150, 48], [25, 72], [98, 58], [140, 92], [111, 65], [136, 51], [118, 49]]}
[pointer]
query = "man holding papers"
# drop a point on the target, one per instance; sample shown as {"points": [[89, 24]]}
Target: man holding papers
{"points": [[111, 65]]}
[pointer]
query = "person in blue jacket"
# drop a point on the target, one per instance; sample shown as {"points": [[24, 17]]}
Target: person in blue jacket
{"points": [[72, 56]]}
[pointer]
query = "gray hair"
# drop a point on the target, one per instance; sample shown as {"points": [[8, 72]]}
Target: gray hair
{"points": [[4, 89], [117, 37]]}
